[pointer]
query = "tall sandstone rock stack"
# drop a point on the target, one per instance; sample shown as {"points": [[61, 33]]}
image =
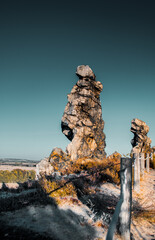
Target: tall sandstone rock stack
{"points": [[82, 120], [140, 142]]}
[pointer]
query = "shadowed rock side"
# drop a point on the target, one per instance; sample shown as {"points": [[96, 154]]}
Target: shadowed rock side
{"points": [[82, 120], [153, 149], [141, 142]]}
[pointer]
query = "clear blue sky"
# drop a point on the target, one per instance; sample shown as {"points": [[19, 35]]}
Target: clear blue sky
{"points": [[42, 43]]}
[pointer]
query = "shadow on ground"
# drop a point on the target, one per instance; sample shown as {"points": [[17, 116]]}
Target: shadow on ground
{"points": [[34, 215]]}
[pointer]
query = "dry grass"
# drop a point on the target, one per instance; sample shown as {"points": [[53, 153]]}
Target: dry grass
{"points": [[99, 170], [16, 175], [90, 173], [148, 215], [57, 189]]}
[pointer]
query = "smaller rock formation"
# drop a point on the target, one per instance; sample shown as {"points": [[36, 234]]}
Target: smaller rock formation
{"points": [[115, 155], [51, 165], [82, 120], [141, 142], [44, 167]]}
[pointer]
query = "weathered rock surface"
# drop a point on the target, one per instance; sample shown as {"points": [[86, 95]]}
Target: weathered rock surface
{"points": [[115, 155], [84, 71], [141, 142], [52, 165], [82, 120], [44, 167], [56, 154]]}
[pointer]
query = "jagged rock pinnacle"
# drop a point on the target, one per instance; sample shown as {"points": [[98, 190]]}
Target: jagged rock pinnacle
{"points": [[82, 120]]}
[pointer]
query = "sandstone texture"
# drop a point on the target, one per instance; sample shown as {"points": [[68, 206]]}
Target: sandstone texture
{"points": [[44, 167], [82, 120], [115, 155], [51, 166], [141, 142]]}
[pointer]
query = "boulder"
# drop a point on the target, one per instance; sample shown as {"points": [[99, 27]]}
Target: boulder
{"points": [[52, 165], [57, 154], [140, 142], [115, 155], [82, 121], [44, 167], [84, 71], [58, 159]]}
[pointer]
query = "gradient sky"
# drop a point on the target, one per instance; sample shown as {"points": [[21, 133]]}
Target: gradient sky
{"points": [[42, 43]]}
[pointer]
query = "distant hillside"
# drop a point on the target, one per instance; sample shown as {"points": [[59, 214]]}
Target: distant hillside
{"points": [[18, 162]]}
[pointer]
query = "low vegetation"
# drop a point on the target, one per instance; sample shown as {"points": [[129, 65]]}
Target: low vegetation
{"points": [[87, 175], [105, 169], [57, 189], [145, 214], [16, 175]]}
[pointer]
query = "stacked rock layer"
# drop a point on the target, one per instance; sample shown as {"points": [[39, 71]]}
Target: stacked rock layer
{"points": [[82, 120], [141, 142]]}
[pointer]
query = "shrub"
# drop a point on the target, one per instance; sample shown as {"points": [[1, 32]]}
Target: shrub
{"points": [[16, 175], [57, 189], [105, 169], [89, 173]]}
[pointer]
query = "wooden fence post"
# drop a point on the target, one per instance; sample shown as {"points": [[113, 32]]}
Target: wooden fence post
{"points": [[136, 172], [123, 208], [147, 162], [126, 194], [142, 164]]}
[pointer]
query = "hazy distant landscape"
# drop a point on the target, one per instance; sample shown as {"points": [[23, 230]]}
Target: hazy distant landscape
{"points": [[14, 170], [18, 162]]}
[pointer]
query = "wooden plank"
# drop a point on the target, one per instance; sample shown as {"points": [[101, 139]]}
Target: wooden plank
{"points": [[123, 209], [142, 164], [126, 195], [136, 184], [147, 162]]}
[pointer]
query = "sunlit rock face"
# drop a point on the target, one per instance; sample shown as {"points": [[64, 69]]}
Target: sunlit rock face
{"points": [[44, 167], [82, 120], [52, 164], [141, 142]]}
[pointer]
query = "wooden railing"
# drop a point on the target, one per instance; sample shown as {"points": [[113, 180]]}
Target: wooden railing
{"points": [[141, 163], [122, 215]]}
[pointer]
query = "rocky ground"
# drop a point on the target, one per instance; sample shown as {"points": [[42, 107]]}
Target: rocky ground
{"points": [[35, 216]]}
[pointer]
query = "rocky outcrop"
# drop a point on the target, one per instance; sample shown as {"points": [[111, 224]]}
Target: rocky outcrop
{"points": [[44, 167], [53, 164], [82, 120], [115, 155], [141, 142]]}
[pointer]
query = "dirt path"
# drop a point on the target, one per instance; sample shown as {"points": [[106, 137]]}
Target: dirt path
{"points": [[143, 222], [146, 196]]}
